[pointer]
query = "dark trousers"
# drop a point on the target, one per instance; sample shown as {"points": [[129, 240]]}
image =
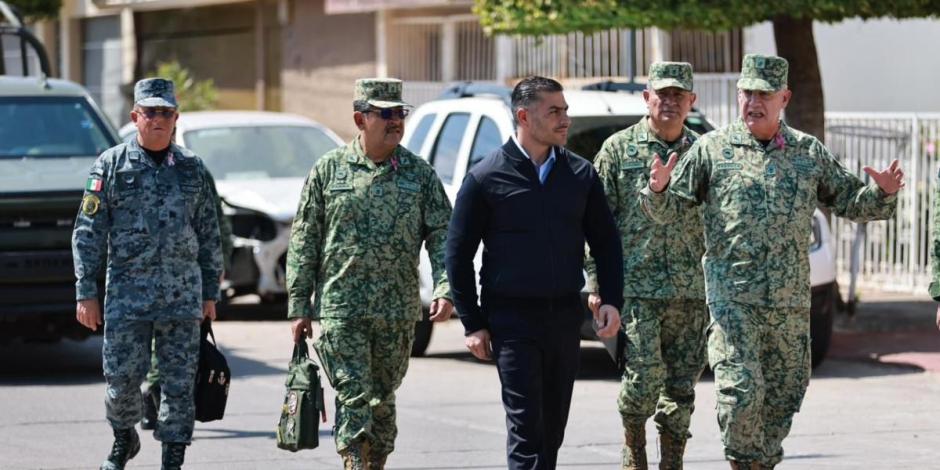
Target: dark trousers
{"points": [[536, 346]]}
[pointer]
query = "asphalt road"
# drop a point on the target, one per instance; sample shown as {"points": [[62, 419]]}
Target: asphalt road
{"points": [[858, 413]]}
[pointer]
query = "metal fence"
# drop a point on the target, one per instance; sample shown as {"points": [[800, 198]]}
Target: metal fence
{"points": [[607, 53], [717, 96], [894, 255]]}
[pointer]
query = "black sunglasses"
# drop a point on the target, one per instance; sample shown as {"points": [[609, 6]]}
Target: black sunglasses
{"points": [[387, 113], [166, 113]]}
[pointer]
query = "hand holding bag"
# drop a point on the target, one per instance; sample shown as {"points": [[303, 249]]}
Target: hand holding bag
{"points": [[212, 378]]}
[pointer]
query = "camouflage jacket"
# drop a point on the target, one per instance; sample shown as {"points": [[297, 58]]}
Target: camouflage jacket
{"points": [[358, 232], [934, 288], [659, 261], [159, 228], [758, 209]]}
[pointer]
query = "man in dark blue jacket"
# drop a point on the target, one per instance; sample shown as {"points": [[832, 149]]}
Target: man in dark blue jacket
{"points": [[533, 204]]}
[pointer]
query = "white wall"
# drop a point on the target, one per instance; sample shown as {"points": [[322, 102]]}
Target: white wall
{"points": [[878, 65]]}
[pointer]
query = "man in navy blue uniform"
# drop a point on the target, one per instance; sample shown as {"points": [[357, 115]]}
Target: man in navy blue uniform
{"points": [[533, 204]]}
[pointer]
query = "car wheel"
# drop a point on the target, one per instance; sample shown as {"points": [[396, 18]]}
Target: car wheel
{"points": [[423, 329], [821, 317]]}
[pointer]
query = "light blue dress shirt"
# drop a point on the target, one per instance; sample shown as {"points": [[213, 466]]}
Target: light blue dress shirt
{"points": [[546, 166]]}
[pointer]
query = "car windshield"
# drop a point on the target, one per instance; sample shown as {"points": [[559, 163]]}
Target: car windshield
{"points": [[588, 133], [50, 127], [259, 152]]}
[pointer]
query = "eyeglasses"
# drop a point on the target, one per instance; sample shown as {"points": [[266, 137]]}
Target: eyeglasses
{"points": [[165, 113], [387, 113]]}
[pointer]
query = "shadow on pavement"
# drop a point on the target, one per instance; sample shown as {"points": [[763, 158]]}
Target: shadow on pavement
{"points": [[63, 363], [79, 363], [243, 367], [220, 433]]}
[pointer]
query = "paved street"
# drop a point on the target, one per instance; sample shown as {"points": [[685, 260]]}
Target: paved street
{"points": [[859, 413]]}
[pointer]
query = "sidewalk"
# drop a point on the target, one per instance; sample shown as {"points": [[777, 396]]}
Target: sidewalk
{"points": [[897, 329]]}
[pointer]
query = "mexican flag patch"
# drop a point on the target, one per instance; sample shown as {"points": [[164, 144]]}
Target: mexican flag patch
{"points": [[93, 184]]}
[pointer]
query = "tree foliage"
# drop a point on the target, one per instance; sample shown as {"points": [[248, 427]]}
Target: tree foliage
{"points": [[36, 9], [792, 21], [539, 17], [191, 95]]}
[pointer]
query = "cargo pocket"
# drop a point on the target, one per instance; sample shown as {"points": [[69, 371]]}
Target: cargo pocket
{"points": [[325, 354], [800, 375], [731, 377]]}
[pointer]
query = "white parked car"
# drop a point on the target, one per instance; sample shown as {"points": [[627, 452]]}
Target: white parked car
{"points": [[469, 121], [259, 161]]}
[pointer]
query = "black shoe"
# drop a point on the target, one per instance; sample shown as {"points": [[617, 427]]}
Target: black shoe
{"points": [[151, 400], [173, 454], [126, 446]]}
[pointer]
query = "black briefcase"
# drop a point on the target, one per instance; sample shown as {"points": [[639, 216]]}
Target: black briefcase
{"points": [[616, 348], [212, 378]]}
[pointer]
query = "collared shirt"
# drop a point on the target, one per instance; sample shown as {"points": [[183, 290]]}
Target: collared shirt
{"points": [[358, 233], [158, 225], [758, 204], [545, 167], [659, 261]]}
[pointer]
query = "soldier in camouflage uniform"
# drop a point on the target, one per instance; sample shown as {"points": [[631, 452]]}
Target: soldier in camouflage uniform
{"points": [[148, 206], [151, 392], [664, 315], [365, 209], [934, 288], [759, 182]]}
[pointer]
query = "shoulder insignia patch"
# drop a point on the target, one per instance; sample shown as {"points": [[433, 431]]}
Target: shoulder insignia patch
{"points": [[90, 204], [93, 184]]}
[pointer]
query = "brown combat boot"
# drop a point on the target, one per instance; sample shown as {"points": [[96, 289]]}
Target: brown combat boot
{"points": [[373, 460], [744, 465], [671, 451], [353, 458], [634, 448], [377, 462]]}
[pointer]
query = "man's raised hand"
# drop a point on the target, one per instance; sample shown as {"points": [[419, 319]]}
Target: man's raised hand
{"points": [[660, 174]]}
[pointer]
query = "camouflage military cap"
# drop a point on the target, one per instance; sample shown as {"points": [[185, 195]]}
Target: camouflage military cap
{"points": [[670, 74], [763, 73], [379, 92], [153, 92]]}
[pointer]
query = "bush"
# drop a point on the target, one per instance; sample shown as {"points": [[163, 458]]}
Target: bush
{"points": [[191, 95]]}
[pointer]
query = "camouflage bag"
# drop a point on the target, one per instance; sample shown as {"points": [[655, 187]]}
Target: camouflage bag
{"points": [[303, 404]]}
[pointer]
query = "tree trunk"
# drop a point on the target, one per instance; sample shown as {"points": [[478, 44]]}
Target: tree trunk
{"points": [[795, 42]]}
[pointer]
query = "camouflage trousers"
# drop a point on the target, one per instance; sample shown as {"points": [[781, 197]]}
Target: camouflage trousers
{"points": [[365, 360], [761, 360], [665, 356], [127, 358]]}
